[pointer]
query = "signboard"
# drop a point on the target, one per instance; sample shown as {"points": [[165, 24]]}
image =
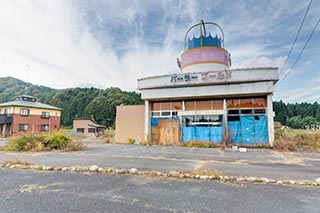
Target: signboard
{"points": [[210, 76]]}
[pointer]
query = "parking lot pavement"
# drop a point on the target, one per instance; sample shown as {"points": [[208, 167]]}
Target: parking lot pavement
{"points": [[255, 162], [30, 191]]}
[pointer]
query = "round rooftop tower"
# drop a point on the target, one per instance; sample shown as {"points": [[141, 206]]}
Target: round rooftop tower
{"points": [[205, 53]]}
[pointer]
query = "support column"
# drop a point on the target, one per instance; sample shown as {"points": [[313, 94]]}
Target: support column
{"points": [[270, 115], [147, 134], [225, 122]]}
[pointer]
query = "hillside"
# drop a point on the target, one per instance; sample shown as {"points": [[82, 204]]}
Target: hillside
{"points": [[98, 104]]}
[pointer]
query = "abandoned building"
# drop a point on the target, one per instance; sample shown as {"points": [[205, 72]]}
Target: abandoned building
{"points": [[87, 127], [207, 100]]}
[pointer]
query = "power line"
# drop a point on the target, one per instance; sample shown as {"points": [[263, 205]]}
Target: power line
{"points": [[294, 42], [297, 59]]}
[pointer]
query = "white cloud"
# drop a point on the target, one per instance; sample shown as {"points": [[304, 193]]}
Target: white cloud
{"points": [[112, 43]]}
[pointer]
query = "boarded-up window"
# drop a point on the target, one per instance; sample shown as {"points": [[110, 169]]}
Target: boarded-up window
{"points": [[217, 104], [246, 103], [203, 104], [259, 102], [190, 105], [176, 105], [165, 105], [155, 106], [233, 103]]}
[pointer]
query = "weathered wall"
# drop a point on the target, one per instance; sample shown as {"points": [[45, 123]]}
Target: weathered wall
{"points": [[129, 123], [83, 123]]}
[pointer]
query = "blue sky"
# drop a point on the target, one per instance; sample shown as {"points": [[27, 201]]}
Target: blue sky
{"points": [[103, 43]]}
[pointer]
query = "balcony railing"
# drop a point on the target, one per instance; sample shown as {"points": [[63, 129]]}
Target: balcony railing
{"points": [[6, 119]]}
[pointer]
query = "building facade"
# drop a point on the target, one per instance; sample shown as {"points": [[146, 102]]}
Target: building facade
{"points": [[130, 123], [208, 101], [27, 116], [87, 127]]}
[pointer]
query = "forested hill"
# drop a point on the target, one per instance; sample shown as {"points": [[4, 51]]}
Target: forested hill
{"points": [[97, 104], [100, 104]]}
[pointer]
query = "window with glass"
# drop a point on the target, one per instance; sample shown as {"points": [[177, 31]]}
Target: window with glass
{"points": [[25, 112], [92, 130], [6, 111], [80, 130], [45, 115], [23, 127], [45, 127]]}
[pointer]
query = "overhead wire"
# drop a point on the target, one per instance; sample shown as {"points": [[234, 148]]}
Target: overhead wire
{"points": [[295, 40], [297, 59]]}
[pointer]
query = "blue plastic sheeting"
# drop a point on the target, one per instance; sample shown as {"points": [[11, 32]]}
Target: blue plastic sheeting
{"points": [[234, 131], [249, 130], [208, 41], [216, 134], [188, 134], [261, 130], [202, 133], [154, 121]]}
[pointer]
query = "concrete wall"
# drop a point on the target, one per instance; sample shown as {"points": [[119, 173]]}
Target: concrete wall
{"points": [[130, 123]]}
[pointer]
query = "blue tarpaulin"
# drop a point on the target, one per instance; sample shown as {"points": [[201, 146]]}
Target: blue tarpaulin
{"points": [[234, 131], [249, 130], [216, 134], [202, 133], [154, 121], [261, 129], [188, 134]]}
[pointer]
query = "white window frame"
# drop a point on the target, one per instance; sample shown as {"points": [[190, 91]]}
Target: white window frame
{"points": [[24, 112], [23, 127]]}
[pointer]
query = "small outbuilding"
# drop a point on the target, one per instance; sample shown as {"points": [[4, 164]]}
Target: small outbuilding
{"points": [[87, 127]]}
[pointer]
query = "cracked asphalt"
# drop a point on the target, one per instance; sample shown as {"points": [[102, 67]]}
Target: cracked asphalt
{"points": [[256, 162], [30, 191]]}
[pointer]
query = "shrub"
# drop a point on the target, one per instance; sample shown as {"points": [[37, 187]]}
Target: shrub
{"points": [[131, 140], [58, 140], [144, 142], [108, 136], [199, 144], [45, 142], [292, 140], [209, 144]]}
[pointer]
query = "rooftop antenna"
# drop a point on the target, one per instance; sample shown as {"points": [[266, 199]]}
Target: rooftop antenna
{"points": [[28, 67]]}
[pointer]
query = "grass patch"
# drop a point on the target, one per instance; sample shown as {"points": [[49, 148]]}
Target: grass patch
{"points": [[46, 142], [296, 140], [9, 163], [108, 136], [199, 144], [206, 171]]}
